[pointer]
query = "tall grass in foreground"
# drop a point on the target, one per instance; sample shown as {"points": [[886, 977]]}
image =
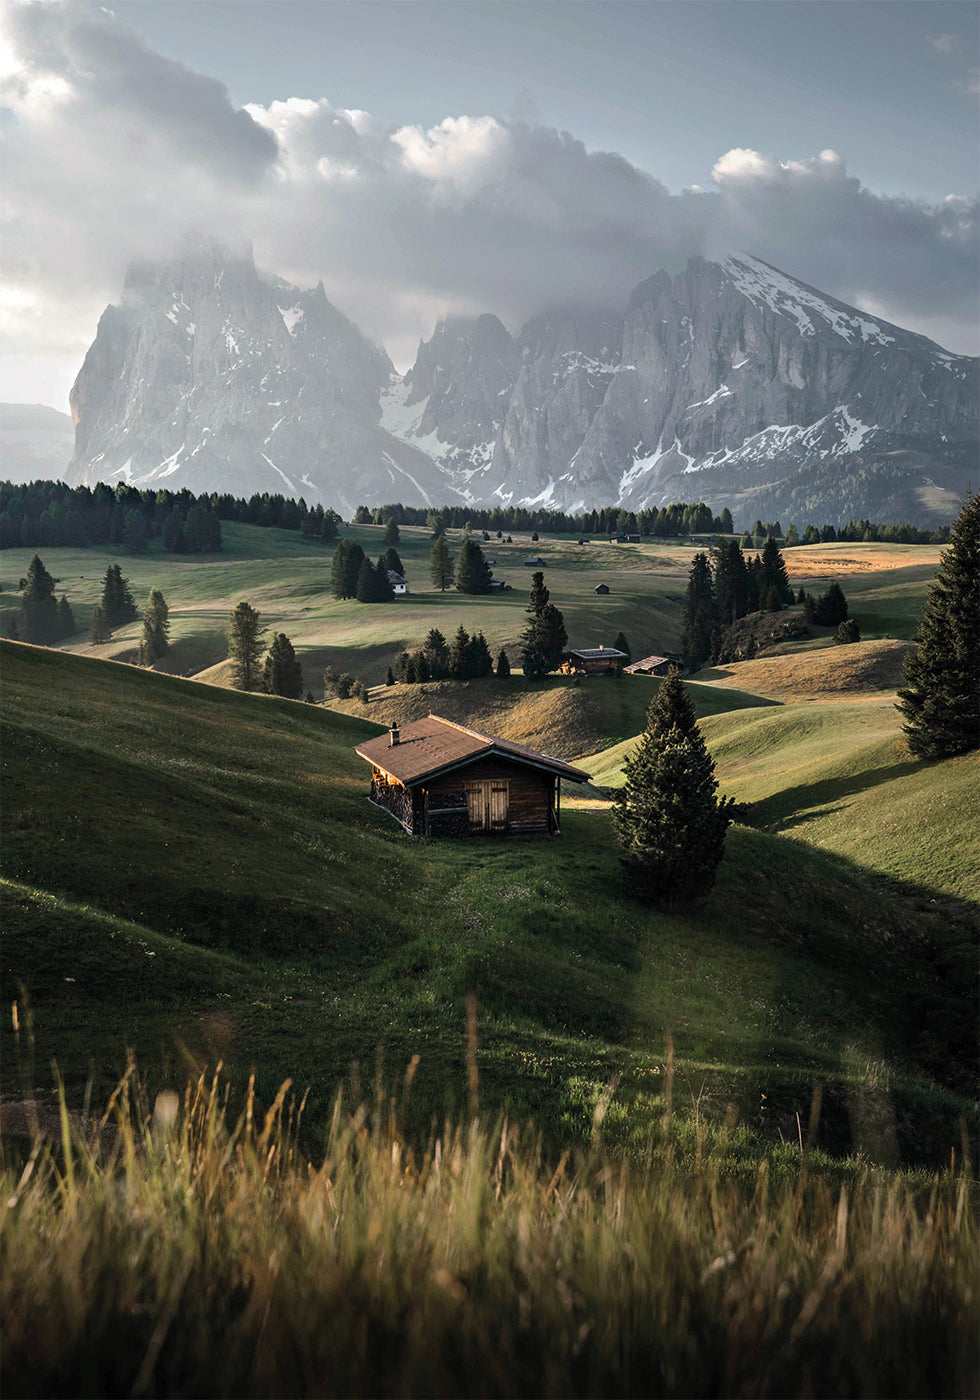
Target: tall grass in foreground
{"points": [[178, 1253]]}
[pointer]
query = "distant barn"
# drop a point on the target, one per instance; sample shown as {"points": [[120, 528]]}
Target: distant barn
{"points": [[602, 588], [535, 563], [399, 586], [441, 779], [593, 661]]}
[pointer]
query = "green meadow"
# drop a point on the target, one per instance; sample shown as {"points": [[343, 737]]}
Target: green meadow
{"points": [[540, 1139]]}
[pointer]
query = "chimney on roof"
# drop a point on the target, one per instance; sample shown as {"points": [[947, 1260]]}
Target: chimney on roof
{"points": [[602, 646], [393, 736]]}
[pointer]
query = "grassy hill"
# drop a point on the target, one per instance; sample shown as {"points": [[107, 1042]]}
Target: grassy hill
{"points": [[196, 873], [288, 579]]}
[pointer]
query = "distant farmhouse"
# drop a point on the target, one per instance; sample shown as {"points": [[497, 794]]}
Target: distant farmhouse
{"points": [[602, 588], [399, 585], [535, 563], [593, 661], [440, 779]]}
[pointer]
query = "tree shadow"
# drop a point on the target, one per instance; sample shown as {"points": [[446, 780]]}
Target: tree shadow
{"points": [[791, 806]]}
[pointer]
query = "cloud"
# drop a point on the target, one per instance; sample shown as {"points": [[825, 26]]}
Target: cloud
{"points": [[944, 43], [112, 152]]}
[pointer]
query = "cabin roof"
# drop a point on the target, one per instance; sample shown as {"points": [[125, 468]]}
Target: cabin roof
{"points": [[597, 653], [648, 663], [434, 745]]}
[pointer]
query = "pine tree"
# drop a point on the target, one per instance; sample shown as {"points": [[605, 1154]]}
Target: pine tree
{"points": [[389, 677], [775, 579], [245, 647], [436, 654], [667, 816], [831, 607], [459, 654], [383, 591], [156, 628], [503, 665], [941, 698], [544, 638], [117, 600], [479, 660], [282, 673], [346, 569], [441, 569], [99, 630], [699, 613], [66, 618], [621, 644], [366, 590], [472, 571], [392, 535], [39, 605], [393, 562]]}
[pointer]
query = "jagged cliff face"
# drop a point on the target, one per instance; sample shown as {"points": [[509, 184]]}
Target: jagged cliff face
{"points": [[731, 383], [210, 376], [726, 383]]}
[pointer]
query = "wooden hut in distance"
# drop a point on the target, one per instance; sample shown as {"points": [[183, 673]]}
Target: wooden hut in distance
{"points": [[593, 661], [441, 779]]}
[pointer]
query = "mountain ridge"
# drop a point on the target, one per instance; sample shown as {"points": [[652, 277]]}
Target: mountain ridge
{"points": [[732, 381]]}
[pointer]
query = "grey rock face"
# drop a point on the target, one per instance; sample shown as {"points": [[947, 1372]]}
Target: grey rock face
{"points": [[211, 376], [731, 383]]}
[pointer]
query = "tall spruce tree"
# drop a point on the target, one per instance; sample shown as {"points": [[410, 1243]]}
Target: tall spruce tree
{"points": [[441, 568], [775, 580], [117, 600], [39, 605], [544, 638], [459, 654], [472, 571], [436, 654], [66, 618], [345, 570], [156, 628], [670, 823], [621, 644], [699, 613], [282, 673], [941, 697], [245, 646], [503, 665]]}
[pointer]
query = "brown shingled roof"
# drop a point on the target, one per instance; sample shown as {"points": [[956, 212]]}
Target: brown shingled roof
{"points": [[434, 745]]}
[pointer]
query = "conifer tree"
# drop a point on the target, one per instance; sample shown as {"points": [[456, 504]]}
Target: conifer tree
{"points": [[245, 647], [392, 535], [941, 698], [282, 673], [156, 628], [117, 600], [39, 605], [544, 638], [389, 677], [669, 821], [441, 569], [99, 630], [436, 654], [479, 660], [775, 579], [621, 644], [472, 571], [66, 618], [699, 613], [393, 561], [366, 590], [459, 654], [503, 665]]}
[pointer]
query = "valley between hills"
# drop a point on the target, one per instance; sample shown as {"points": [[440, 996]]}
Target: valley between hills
{"points": [[192, 874]]}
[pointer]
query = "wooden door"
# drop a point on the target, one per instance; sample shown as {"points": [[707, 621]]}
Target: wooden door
{"points": [[489, 803]]}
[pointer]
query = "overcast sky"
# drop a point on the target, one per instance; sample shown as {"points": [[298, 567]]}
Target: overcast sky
{"points": [[423, 158]]}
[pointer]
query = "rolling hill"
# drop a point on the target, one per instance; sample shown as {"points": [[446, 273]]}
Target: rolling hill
{"points": [[196, 873]]}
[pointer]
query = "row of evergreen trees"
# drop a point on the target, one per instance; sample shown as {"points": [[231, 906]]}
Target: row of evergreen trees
{"points": [[354, 576], [465, 658], [723, 586], [673, 521]]}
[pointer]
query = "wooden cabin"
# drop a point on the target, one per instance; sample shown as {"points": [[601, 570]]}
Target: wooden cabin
{"points": [[441, 779], [601, 588], [399, 585], [593, 661], [650, 666]]}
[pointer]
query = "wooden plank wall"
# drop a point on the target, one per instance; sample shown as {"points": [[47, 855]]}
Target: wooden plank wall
{"points": [[531, 792]]}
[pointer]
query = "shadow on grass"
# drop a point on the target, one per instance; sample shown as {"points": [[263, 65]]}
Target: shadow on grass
{"points": [[797, 804]]}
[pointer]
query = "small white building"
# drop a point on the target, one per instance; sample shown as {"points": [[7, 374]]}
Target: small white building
{"points": [[399, 586]]}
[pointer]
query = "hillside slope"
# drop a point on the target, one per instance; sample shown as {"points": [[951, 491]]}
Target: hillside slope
{"points": [[197, 873]]}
